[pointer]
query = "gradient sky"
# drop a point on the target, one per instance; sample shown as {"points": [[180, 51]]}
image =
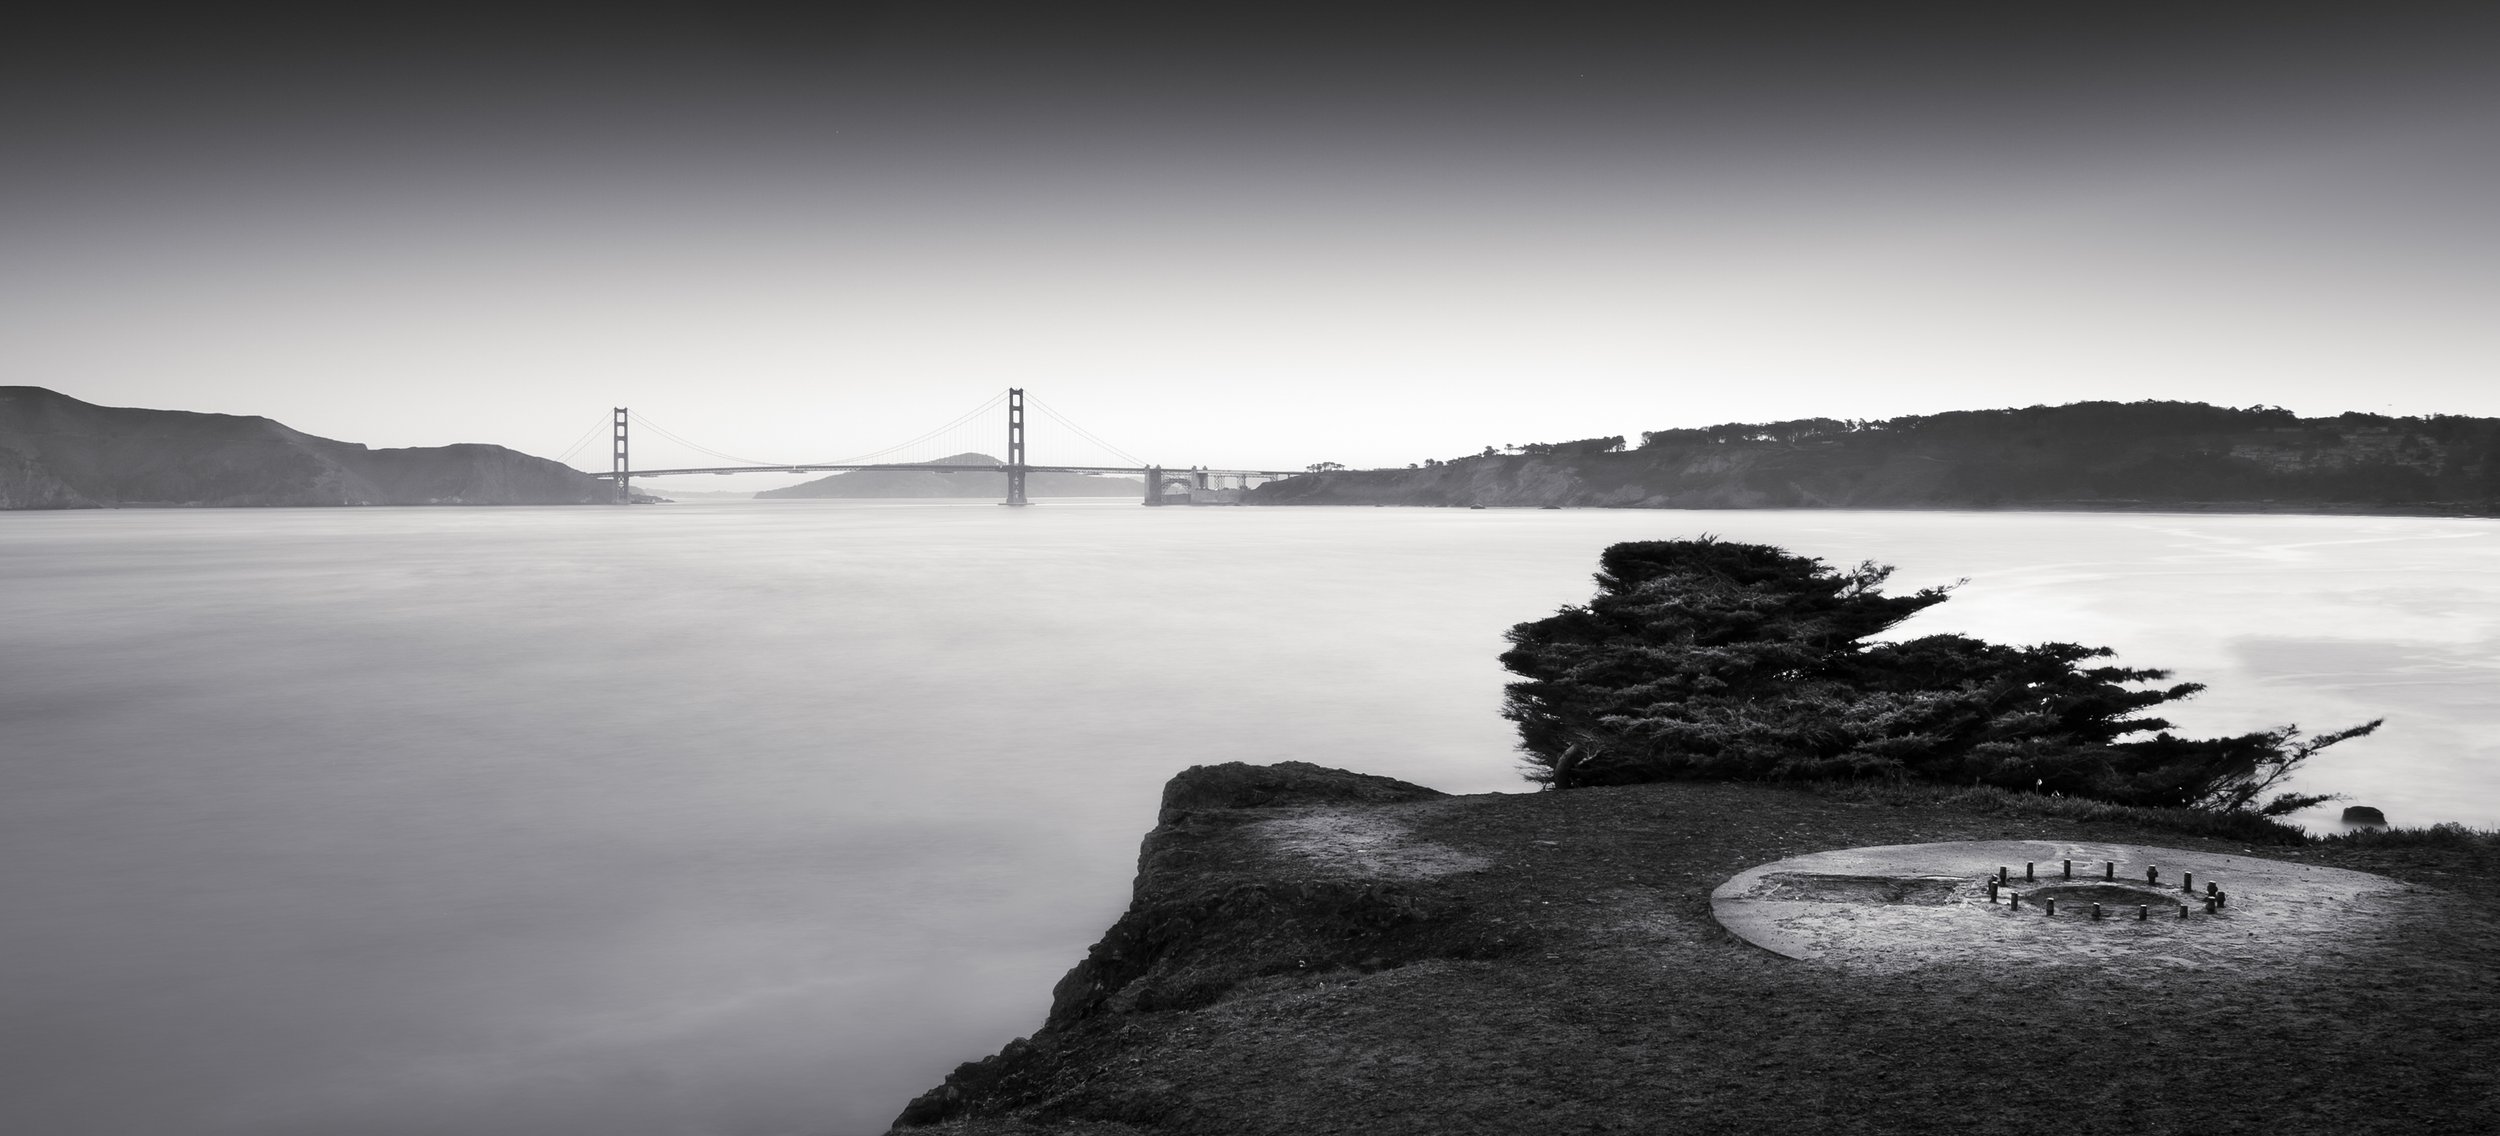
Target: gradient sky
{"points": [[1280, 235]]}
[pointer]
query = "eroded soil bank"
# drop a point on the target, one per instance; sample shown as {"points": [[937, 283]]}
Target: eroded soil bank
{"points": [[1316, 951]]}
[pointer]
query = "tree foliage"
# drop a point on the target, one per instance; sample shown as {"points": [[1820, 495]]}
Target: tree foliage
{"points": [[1709, 659], [1610, 444]]}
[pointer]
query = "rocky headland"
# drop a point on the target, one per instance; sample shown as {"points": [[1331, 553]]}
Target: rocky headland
{"points": [[57, 452], [1310, 950]]}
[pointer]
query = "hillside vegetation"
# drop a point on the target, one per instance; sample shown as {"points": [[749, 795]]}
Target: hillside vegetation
{"points": [[2087, 455], [57, 452]]}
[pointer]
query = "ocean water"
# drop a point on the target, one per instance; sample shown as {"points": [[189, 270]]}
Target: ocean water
{"points": [[754, 818]]}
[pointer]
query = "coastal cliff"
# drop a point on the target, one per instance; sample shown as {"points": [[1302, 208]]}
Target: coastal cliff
{"points": [[1312, 950], [2166, 456], [57, 452]]}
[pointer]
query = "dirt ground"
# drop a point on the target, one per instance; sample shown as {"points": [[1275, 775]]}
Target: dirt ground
{"points": [[1548, 963]]}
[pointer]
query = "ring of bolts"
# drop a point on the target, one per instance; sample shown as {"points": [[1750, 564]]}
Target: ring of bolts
{"points": [[2215, 898]]}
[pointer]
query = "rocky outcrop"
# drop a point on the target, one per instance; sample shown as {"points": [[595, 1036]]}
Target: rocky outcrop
{"points": [[1214, 908], [57, 452], [1237, 785]]}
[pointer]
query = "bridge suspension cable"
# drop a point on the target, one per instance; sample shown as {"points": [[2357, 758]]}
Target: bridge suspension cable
{"points": [[1084, 433], [598, 426], [698, 447], [886, 456], [967, 416], [645, 422]]}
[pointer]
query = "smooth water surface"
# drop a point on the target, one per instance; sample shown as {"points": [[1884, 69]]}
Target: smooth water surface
{"points": [[755, 818]]}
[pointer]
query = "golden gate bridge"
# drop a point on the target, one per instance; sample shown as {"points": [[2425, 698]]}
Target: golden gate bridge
{"points": [[1192, 486]]}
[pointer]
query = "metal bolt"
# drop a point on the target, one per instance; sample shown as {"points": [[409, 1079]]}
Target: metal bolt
{"points": [[2026, 871], [2211, 887], [2209, 905], [2152, 875], [2109, 869], [1992, 891], [2182, 911], [2187, 881], [2070, 869], [2143, 911], [2096, 911], [2016, 898], [2000, 873], [2222, 899], [2052, 902]]}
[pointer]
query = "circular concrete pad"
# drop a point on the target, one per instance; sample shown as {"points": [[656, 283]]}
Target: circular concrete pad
{"points": [[1901, 906]]}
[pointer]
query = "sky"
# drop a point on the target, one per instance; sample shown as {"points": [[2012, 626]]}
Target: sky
{"points": [[1242, 236]]}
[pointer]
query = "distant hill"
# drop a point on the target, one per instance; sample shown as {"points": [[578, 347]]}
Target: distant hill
{"points": [[59, 453], [2086, 455], [906, 481]]}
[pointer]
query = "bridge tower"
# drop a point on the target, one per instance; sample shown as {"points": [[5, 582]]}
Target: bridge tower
{"points": [[1015, 446], [624, 492]]}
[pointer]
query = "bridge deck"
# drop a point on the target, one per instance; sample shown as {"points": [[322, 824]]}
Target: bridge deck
{"points": [[1001, 468]]}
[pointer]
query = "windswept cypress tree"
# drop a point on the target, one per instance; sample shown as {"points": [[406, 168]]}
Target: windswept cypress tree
{"points": [[1709, 659]]}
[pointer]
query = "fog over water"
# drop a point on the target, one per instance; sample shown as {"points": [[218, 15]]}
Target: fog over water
{"points": [[751, 818]]}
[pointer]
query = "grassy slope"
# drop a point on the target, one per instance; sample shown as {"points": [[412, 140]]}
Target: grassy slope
{"points": [[1577, 983]]}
